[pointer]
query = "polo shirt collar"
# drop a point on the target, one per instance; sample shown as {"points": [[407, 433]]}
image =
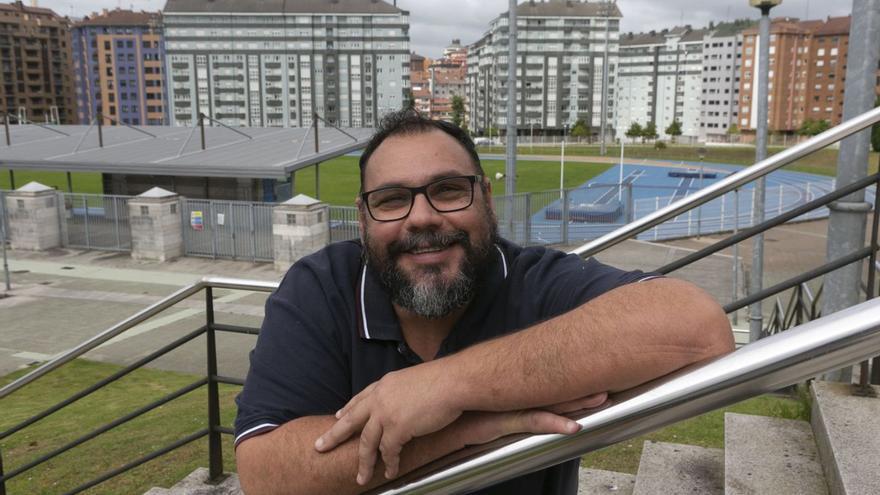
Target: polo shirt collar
{"points": [[375, 313]]}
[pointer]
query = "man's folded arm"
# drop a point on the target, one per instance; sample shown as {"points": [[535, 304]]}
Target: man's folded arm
{"points": [[619, 340], [284, 460]]}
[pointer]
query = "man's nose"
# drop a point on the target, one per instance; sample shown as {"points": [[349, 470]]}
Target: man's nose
{"points": [[422, 213]]}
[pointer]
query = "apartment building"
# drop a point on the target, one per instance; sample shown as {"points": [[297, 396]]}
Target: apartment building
{"points": [[420, 84], [118, 63], [35, 64], [561, 49], [277, 63], [446, 77], [722, 60], [660, 80]]}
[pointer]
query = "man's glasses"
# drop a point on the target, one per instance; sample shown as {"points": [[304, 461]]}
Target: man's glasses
{"points": [[388, 204]]}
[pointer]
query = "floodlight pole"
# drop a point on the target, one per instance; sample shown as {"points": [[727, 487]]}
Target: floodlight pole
{"points": [[6, 126], [604, 112], [847, 218], [756, 317], [317, 164], [510, 165]]}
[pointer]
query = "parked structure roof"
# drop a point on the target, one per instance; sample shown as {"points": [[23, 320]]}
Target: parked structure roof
{"points": [[269, 152]]}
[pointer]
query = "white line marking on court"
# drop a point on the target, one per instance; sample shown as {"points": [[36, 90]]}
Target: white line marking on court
{"points": [[160, 322], [809, 234], [679, 248], [33, 356]]}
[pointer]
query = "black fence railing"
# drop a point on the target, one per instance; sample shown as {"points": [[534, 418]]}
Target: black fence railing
{"points": [[211, 380]]}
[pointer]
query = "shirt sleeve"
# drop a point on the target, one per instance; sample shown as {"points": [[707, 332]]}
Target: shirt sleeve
{"points": [[298, 367], [567, 281]]}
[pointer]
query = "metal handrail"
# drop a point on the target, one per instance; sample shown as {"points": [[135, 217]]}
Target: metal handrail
{"points": [[784, 359], [730, 183], [134, 320]]}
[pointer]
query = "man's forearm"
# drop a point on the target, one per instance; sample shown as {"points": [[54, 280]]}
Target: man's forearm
{"points": [[619, 340], [284, 461]]}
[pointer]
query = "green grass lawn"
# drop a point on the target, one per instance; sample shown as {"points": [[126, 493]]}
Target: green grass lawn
{"points": [[83, 182], [340, 181], [188, 414]]}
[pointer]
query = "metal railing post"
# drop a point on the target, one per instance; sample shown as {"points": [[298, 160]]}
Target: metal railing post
{"points": [[872, 275], [215, 447], [116, 222], [564, 216], [527, 226], [86, 208]]}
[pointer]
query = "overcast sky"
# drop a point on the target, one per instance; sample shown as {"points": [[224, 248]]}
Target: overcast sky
{"points": [[433, 23]]}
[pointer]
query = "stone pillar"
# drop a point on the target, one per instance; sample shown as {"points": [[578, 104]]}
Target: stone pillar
{"points": [[156, 230], [34, 223], [300, 227]]}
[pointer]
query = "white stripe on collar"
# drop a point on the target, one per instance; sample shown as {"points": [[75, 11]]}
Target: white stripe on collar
{"points": [[503, 259], [363, 306]]}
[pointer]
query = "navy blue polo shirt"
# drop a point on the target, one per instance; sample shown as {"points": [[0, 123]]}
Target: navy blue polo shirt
{"points": [[330, 331]]}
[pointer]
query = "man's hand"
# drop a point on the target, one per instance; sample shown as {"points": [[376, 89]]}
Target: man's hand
{"points": [[389, 413]]}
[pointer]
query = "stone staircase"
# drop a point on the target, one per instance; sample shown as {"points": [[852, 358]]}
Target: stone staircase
{"points": [[838, 454]]}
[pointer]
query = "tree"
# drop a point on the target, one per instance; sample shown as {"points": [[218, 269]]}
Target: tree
{"points": [[674, 130], [812, 127], [875, 131], [650, 131], [457, 110], [580, 129], [733, 130], [634, 131]]}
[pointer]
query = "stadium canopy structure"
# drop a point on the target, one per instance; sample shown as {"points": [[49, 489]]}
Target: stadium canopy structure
{"points": [[251, 152]]}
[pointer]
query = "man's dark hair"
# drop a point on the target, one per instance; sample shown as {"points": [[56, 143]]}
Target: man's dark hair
{"points": [[410, 121]]}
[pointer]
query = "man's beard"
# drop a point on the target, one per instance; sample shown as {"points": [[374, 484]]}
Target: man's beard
{"points": [[429, 293]]}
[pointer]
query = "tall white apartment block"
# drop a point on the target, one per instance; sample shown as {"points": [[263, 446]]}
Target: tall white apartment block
{"points": [[277, 62], [561, 50], [660, 80], [722, 60]]}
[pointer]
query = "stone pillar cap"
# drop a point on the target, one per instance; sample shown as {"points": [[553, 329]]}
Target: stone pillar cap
{"points": [[157, 193], [301, 200], [34, 187]]}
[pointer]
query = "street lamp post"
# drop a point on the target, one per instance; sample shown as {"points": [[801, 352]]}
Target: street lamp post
{"points": [[756, 318], [562, 163]]}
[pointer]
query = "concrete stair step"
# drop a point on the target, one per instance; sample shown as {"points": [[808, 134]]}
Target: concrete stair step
{"points": [[599, 482], [197, 484], [673, 469], [847, 432], [770, 455]]}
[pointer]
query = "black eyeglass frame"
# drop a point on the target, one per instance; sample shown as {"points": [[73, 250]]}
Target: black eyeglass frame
{"points": [[424, 191]]}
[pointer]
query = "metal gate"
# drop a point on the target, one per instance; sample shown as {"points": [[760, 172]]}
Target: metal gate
{"points": [[227, 229], [96, 221]]}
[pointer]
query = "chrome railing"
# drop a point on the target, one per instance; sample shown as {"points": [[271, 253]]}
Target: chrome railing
{"points": [[731, 183], [829, 343]]}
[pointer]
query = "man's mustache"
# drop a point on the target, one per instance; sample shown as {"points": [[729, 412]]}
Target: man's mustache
{"points": [[427, 239]]}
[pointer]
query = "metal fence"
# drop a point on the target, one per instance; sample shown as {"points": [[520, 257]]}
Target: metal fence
{"points": [[560, 217], [238, 230], [4, 216], [343, 223], [95, 221]]}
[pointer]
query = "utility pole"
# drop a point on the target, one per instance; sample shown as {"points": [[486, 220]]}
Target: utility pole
{"points": [[846, 222], [510, 166], [756, 318]]}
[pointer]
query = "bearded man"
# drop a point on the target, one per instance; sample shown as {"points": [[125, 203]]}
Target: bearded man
{"points": [[433, 333]]}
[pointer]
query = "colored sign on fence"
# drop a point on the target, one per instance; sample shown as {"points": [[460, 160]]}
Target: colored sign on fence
{"points": [[197, 220]]}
